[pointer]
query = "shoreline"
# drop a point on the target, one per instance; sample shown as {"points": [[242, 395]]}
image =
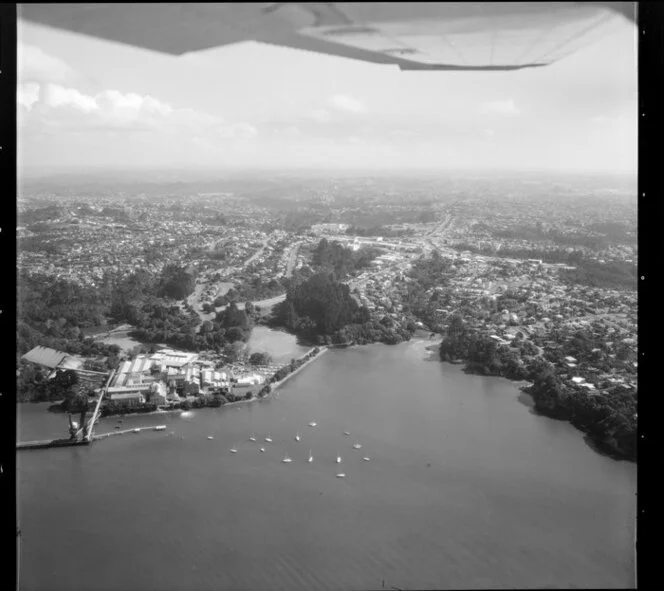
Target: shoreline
{"points": [[523, 386], [276, 385], [273, 387]]}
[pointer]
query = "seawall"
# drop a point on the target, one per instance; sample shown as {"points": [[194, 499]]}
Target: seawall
{"points": [[278, 384]]}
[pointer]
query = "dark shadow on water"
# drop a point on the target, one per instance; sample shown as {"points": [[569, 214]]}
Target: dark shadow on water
{"points": [[528, 402], [607, 453]]}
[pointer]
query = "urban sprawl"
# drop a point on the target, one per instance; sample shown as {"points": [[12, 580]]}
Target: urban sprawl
{"points": [[546, 270]]}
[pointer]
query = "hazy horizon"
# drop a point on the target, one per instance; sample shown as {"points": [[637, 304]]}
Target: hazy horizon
{"points": [[205, 172]]}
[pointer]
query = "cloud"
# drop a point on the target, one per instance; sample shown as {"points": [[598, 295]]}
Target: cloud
{"points": [[34, 65], [506, 107], [344, 102], [54, 96], [238, 131], [28, 94], [489, 132], [290, 131], [404, 133], [52, 106], [320, 115]]}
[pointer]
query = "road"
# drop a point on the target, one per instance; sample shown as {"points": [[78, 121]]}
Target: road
{"points": [[255, 255], [442, 227], [194, 299], [292, 259], [262, 304]]}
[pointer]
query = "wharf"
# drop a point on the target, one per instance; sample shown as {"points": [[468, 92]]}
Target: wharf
{"points": [[44, 444], [48, 443]]}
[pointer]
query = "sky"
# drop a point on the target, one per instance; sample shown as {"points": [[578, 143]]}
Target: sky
{"points": [[85, 103]]}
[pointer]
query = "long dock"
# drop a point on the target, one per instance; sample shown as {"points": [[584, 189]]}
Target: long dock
{"points": [[44, 444], [49, 443]]}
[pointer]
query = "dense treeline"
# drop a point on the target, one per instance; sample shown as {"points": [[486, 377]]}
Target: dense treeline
{"points": [[177, 283], [608, 418], [159, 323], [323, 310], [318, 305], [483, 354], [55, 313], [425, 274], [335, 257]]}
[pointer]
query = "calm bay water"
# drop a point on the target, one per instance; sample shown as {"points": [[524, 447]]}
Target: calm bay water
{"points": [[466, 488]]}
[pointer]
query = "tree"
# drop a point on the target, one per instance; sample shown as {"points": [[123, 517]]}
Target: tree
{"points": [[63, 385], [260, 359], [235, 334], [455, 326]]}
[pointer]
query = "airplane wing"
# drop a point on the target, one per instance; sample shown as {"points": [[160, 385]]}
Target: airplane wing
{"points": [[410, 35]]}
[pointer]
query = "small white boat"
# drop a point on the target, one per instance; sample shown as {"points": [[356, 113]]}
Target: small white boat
{"points": [[233, 450], [252, 437], [136, 430], [367, 459], [297, 436], [346, 433], [210, 437], [357, 446], [262, 449], [341, 475], [160, 428], [311, 458], [339, 460], [268, 438], [313, 424], [286, 459]]}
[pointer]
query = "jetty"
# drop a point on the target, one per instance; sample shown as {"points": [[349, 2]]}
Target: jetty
{"points": [[51, 443], [82, 436]]}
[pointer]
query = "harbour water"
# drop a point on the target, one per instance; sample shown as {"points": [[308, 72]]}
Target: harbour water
{"points": [[466, 488]]}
